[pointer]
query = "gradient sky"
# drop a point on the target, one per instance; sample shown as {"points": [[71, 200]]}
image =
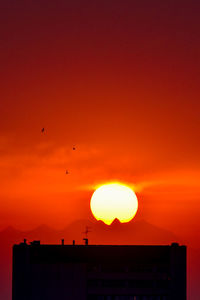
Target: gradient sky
{"points": [[120, 81]]}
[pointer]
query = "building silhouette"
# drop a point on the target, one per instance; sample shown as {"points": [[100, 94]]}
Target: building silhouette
{"points": [[98, 272]]}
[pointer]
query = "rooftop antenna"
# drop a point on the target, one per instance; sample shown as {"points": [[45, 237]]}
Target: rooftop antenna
{"points": [[86, 234]]}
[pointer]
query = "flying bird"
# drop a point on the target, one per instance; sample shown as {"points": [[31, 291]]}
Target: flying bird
{"points": [[42, 130], [74, 148]]}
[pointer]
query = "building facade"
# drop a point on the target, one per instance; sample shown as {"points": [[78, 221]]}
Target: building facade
{"points": [[98, 272]]}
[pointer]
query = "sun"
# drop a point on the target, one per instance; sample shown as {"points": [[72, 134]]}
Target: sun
{"points": [[114, 201]]}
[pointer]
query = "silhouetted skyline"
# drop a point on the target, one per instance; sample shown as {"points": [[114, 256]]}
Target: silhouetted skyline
{"points": [[98, 272]]}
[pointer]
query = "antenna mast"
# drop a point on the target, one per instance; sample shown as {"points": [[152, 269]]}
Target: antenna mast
{"points": [[86, 234]]}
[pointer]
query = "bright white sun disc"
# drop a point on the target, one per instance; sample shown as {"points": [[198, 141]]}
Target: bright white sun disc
{"points": [[114, 201]]}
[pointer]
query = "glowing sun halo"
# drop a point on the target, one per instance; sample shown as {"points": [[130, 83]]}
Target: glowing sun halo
{"points": [[114, 201]]}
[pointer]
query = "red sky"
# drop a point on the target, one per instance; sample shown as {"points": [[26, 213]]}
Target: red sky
{"points": [[120, 81]]}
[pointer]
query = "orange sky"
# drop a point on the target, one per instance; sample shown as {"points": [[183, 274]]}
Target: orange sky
{"points": [[120, 81]]}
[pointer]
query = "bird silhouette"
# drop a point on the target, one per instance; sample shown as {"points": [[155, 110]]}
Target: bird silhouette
{"points": [[67, 172], [42, 130], [74, 148]]}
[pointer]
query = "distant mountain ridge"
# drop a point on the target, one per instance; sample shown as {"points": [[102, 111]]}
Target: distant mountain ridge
{"points": [[134, 232]]}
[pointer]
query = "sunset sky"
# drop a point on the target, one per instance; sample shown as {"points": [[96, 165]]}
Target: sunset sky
{"points": [[118, 80]]}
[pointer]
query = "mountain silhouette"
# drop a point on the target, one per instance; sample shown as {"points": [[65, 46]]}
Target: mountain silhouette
{"points": [[139, 232], [132, 233]]}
